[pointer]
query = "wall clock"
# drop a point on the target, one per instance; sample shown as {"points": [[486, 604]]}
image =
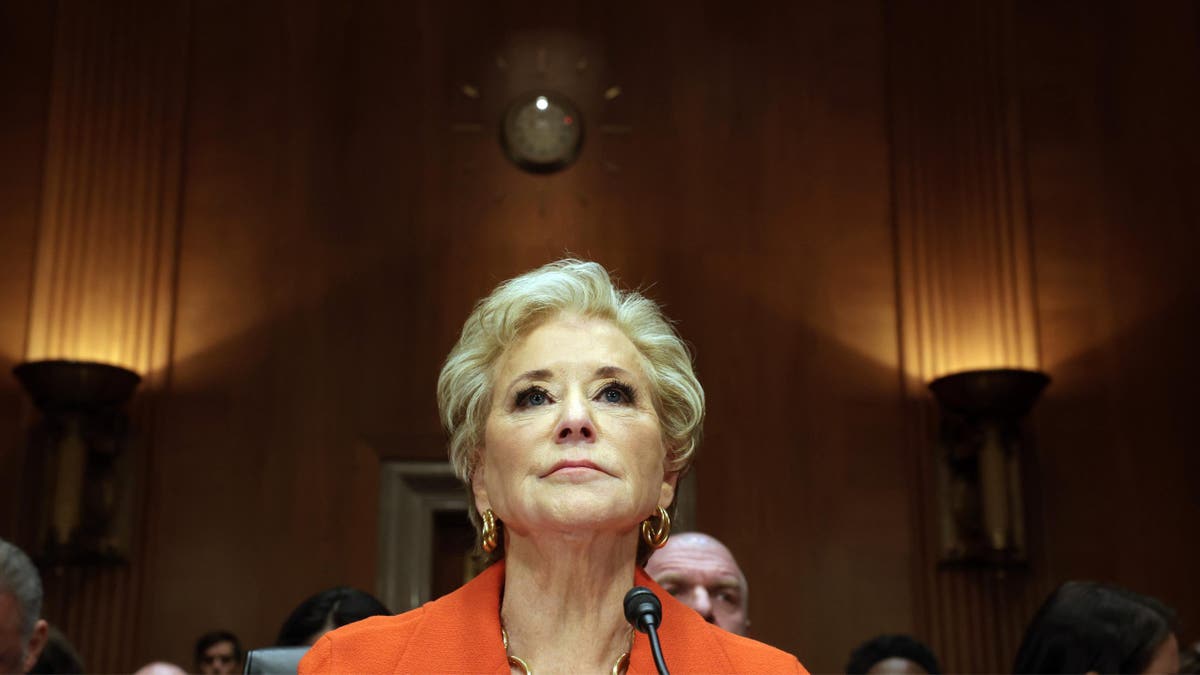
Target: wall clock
{"points": [[542, 132]]}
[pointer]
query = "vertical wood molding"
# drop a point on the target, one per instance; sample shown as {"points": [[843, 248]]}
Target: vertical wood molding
{"points": [[105, 257], [104, 267], [965, 264], [964, 280]]}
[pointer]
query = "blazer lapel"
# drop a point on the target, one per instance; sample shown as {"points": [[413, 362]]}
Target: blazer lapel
{"points": [[685, 638], [460, 632]]}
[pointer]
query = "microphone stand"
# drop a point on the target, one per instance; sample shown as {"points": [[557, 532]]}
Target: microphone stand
{"points": [[644, 611]]}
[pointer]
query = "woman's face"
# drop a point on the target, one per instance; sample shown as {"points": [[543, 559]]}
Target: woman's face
{"points": [[572, 443], [1166, 657]]}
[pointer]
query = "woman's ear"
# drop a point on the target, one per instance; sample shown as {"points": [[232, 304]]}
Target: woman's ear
{"points": [[670, 480], [479, 489]]}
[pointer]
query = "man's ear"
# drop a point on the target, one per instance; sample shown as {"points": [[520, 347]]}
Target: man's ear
{"points": [[41, 630]]}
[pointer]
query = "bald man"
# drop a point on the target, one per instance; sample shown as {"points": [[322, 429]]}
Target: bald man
{"points": [[22, 629], [160, 668], [702, 574]]}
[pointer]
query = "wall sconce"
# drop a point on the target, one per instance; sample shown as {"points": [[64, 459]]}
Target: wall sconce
{"points": [[979, 468], [84, 510]]}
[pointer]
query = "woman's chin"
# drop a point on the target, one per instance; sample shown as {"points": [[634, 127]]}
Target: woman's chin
{"points": [[580, 514]]}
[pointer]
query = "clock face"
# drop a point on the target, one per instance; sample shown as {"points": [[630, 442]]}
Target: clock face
{"points": [[542, 132]]}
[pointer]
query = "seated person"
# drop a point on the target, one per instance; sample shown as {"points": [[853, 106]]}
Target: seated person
{"points": [[160, 668], [325, 611], [218, 653], [22, 629], [899, 654], [702, 574], [1086, 627], [58, 657], [1189, 659]]}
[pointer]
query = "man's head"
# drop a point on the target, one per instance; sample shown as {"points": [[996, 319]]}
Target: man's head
{"points": [[22, 630], [700, 572], [160, 668], [888, 654], [218, 653]]}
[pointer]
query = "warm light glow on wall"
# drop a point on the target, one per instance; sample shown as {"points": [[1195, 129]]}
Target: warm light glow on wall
{"points": [[978, 349], [93, 320], [967, 297], [106, 239], [99, 295]]}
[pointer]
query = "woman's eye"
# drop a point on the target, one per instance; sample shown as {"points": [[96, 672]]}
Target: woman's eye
{"points": [[532, 397], [617, 393]]}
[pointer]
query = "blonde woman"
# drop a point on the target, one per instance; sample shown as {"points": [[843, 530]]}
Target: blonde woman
{"points": [[572, 409]]}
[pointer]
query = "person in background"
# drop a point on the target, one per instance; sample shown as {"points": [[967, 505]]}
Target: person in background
{"points": [[58, 656], [160, 668], [892, 654], [22, 630], [1087, 627], [1189, 660], [702, 574], [218, 652], [326, 611]]}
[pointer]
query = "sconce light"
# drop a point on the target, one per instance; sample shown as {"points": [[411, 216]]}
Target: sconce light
{"points": [[84, 510], [979, 468]]}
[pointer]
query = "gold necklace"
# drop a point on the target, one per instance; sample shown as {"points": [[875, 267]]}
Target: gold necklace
{"points": [[515, 661]]}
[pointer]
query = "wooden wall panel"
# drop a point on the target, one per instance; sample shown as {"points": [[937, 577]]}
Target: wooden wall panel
{"points": [[965, 279], [26, 31], [779, 265], [103, 272], [301, 325], [1111, 95], [106, 237]]}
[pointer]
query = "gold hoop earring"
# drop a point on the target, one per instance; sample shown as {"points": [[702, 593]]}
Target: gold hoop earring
{"points": [[491, 532], [656, 536]]}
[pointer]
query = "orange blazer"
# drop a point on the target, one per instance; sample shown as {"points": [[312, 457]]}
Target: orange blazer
{"points": [[460, 633]]}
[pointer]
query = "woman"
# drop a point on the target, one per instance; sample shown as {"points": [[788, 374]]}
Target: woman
{"points": [[1086, 627], [572, 410]]}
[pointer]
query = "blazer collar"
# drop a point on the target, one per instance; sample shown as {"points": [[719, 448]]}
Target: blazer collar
{"points": [[461, 633]]}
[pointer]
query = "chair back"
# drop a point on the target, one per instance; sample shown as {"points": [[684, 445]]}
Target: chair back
{"points": [[274, 660]]}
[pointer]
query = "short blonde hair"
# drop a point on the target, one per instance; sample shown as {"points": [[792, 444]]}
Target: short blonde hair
{"points": [[519, 305]]}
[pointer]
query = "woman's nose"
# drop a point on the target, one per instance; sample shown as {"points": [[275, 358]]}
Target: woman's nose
{"points": [[576, 425]]}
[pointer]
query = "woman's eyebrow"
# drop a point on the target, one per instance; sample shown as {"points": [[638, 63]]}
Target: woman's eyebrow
{"points": [[539, 374], [611, 371]]}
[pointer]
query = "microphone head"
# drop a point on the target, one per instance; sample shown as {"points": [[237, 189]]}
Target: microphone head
{"points": [[642, 608]]}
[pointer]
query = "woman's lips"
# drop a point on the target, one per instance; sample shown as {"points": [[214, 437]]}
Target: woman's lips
{"points": [[574, 469]]}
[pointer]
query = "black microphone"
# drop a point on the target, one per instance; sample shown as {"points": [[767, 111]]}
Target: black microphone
{"points": [[644, 611]]}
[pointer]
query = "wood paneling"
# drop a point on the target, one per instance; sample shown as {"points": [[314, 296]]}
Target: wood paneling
{"points": [[965, 280], [962, 223], [779, 266], [107, 226], [1114, 158], [104, 262], [26, 41]]}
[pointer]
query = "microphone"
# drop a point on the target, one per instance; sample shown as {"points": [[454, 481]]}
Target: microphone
{"points": [[644, 611]]}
